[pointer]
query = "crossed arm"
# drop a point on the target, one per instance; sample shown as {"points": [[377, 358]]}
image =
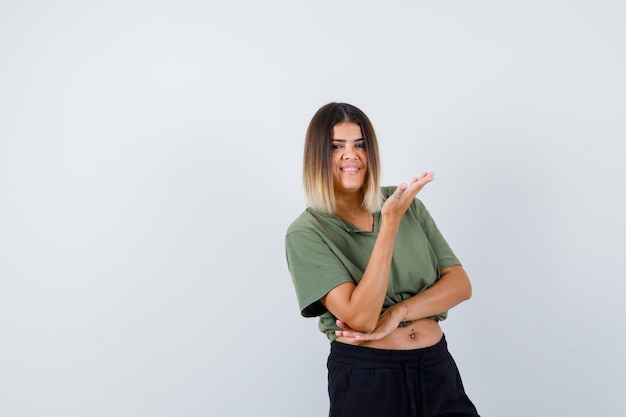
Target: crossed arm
{"points": [[452, 288]]}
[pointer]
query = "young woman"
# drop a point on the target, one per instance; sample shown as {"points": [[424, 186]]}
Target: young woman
{"points": [[371, 263]]}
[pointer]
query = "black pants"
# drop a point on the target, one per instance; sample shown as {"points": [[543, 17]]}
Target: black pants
{"points": [[366, 382]]}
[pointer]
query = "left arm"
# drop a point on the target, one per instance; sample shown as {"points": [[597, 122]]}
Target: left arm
{"points": [[451, 289]]}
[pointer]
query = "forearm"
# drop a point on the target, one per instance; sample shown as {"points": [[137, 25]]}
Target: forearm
{"points": [[451, 289]]}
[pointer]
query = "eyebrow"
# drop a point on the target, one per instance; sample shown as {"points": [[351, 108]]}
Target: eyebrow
{"points": [[344, 140]]}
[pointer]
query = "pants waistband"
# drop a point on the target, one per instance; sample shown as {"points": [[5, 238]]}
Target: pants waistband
{"points": [[425, 356]]}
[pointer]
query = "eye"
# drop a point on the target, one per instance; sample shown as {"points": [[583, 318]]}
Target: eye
{"points": [[360, 145], [335, 146]]}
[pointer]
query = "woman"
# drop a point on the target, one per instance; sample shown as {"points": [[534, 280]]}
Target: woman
{"points": [[371, 263]]}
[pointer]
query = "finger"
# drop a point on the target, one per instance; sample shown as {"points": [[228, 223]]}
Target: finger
{"points": [[400, 189], [425, 177], [418, 183], [343, 325], [351, 341], [351, 334]]}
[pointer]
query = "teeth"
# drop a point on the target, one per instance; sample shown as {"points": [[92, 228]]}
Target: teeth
{"points": [[350, 169]]}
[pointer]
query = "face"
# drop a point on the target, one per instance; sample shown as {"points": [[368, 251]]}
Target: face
{"points": [[349, 158]]}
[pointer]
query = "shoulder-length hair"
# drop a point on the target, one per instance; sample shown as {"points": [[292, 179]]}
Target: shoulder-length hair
{"points": [[318, 168]]}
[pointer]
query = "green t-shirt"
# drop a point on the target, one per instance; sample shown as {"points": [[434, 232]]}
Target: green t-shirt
{"points": [[324, 251]]}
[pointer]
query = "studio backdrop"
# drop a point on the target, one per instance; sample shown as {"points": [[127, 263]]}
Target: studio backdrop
{"points": [[150, 164]]}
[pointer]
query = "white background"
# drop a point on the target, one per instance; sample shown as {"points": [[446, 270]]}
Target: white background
{"points": [[150, 160]]}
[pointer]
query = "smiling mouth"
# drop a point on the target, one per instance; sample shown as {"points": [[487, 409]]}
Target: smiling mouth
{"points": [[350, 170]]}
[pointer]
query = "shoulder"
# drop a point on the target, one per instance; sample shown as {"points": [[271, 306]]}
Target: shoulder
{"points": [[304, 222], [312, 222]]}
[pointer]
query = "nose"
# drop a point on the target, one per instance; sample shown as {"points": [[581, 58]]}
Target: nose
{"points": [[349, 152]]}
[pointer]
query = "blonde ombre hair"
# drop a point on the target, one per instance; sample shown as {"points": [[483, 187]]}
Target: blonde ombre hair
{"points": [[318, 169]]}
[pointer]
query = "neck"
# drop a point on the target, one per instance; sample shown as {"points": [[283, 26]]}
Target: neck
{"points": [[349, 204], [361, 218], [350, 208]]}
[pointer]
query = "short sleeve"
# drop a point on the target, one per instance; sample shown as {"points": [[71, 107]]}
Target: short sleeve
{"points": [[315, 269], [444, 254]]}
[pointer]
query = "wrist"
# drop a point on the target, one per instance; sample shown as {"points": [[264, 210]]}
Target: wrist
{"points": [[389, 227], [403, 311]]}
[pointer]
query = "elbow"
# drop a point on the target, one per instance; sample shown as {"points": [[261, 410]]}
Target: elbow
{"points": [[461, 283], [466, 292], [362, 324], [367, 327]]}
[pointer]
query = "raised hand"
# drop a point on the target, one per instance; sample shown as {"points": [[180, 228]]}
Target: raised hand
{"points": [[401, 199]]}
